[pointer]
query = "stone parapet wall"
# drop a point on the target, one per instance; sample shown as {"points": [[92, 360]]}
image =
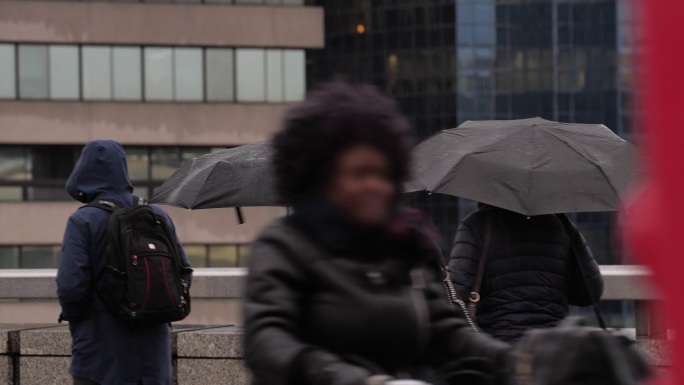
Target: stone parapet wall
{"points": [[203, 354]]}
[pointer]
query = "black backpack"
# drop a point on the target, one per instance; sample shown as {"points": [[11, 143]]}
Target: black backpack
{"points": [[144, 281]]}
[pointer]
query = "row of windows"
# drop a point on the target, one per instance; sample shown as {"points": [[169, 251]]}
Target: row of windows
{"points": [[47, 257], [155, 74], [38, 173]]}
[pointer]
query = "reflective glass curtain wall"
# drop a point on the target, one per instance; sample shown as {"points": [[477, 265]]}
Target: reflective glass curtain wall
{"points": [[558, 59], [406, 48]]}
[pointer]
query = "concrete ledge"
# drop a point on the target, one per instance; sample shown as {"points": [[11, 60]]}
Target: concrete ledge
{"points": [[54, 341], [203, 354], [225, 342], [44, 371], [214, 283], [656, 351], [197, 371], [628, 282], [6, 370]]}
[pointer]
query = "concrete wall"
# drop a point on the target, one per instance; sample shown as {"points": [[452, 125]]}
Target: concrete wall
{"points": [[165, 24], [43, 223], [186, 124], [39, 355]]}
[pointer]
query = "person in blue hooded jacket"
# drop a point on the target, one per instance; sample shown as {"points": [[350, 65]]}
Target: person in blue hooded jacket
{"points": [[105, 350]]}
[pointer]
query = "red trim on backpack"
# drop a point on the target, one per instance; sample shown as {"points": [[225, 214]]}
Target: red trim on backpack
{"points": [[166, 281]]}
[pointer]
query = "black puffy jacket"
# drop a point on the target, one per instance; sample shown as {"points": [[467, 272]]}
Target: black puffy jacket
{"points": [[531, 275], [323, 309]]}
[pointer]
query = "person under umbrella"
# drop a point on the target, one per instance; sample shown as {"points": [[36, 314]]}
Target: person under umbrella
{"points": [[521, 272], [518, 263]]}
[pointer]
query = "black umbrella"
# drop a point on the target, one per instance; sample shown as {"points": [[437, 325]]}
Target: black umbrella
{"points": [[239, 176], [530, 166]]}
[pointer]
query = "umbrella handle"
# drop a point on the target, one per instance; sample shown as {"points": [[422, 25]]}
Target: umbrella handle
{"points": [[241, 219]]}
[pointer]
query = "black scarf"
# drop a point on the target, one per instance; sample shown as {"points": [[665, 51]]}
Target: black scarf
{"points": [[407, 229]]}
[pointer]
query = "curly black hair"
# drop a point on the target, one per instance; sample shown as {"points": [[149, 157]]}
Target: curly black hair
{"points": [[333, 118]]}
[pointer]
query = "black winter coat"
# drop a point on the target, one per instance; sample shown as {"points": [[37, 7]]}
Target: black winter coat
{"points": [[531, 275], [323, 309]]}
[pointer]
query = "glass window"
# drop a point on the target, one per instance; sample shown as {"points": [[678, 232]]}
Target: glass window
{"points": [[39, 257], [127, 73], [251, 85], [274, 75], [11, 193], [49, 162], [223, 256], [188, 74], [14, 163], [97, 80], [9, 257], [138, 160], [485, 13], [295, 75], [48, 192], [220, 75], [187, 153], [569, 81], [64, 72], [165, 161], [197, 255], [158, 74], [243, 254], [33, 71], [8, 72]]}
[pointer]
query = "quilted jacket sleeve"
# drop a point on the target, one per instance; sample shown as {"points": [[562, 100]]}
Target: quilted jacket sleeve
{"points": [[463, 261], [585, 280]]}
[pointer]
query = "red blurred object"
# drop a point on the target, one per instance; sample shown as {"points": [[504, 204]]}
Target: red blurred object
{"points": [[656, 221]]}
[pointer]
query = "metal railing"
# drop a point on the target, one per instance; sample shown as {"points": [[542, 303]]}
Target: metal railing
{"points": [[622, 282]]}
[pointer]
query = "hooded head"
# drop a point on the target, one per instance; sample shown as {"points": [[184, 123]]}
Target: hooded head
{"points": [[100, 171]]}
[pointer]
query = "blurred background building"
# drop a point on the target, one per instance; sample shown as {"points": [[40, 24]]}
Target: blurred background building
{"points": [[169, 80], [172, 80], [448, 61]]}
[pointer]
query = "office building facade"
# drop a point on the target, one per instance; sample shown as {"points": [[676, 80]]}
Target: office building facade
{"points": [[446, 62], [169, 80]]}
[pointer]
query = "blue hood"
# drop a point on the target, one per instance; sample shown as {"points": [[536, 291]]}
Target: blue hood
{"points": [[100, 171]]}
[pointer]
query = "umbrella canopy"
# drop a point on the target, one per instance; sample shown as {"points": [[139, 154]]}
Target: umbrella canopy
{"points": [[530, 166], [236, 177]]}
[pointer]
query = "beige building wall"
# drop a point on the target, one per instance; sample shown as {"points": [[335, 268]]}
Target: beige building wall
{"points": [[91, 22], [43, 223], [184, 124]]}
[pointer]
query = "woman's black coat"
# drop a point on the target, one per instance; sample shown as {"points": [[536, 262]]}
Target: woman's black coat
{"points": [[325, 305], [531, 274]]}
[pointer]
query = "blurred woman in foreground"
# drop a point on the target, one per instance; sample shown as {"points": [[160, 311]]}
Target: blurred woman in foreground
{"points": [[347, 290]]}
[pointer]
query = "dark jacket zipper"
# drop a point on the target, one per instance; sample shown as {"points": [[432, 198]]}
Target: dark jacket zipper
{"points": [[418, 289]]}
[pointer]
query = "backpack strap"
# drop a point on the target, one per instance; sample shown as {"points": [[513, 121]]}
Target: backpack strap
{"points": [[103, 204], [111, 205], [481, 267]]}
